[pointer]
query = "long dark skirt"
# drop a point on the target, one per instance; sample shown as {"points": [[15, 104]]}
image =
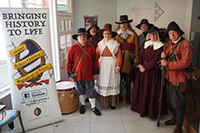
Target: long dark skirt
{"points": [[145, 99]]}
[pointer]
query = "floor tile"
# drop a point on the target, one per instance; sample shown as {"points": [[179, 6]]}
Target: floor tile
{"points": [[77, 117], [120, 120], [107, 127], [107, 115], [127, 114], [142, 126], [45, 129], [73, 127]]}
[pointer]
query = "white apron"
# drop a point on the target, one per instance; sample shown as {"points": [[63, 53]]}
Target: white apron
{"points": [[108, 81]]}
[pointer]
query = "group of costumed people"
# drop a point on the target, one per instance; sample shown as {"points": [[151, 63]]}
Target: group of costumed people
{"points": [[104, 62]]}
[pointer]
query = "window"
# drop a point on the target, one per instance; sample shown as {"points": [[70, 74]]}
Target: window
{"points": [[4, 79], [63, 5]]}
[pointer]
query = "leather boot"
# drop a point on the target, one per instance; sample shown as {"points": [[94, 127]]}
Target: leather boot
{"points": [[128, 86], [178, 129], [172, 121]]}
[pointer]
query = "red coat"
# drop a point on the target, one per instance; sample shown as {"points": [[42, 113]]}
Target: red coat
{"points": [[87, 68], [174, 72]]}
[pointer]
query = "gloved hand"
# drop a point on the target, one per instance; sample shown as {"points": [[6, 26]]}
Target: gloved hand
{"points": [[136, 59]]}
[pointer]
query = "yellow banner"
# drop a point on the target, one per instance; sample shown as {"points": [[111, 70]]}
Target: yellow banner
{"points": [[17, 50], [28, 59], [32, 74]]}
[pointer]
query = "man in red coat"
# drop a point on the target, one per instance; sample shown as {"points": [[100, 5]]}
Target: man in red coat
{"points": [[82, 68], [176, 58]]}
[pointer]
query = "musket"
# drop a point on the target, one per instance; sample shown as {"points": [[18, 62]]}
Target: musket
{"points": [[161, 91]]}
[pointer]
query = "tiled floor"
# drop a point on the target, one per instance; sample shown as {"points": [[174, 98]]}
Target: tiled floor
{"points": [[120, 120]]}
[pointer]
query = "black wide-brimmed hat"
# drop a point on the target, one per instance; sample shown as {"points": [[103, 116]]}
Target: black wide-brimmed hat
{"points": [[81, 31], [152, 29], [124, 19], [173, 26], [91, 24], [144, 21], [107, 27]]}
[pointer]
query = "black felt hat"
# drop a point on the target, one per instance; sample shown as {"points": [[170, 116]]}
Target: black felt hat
{"points": [[173, 26], [144, 21], [152, 29], [81, 31], [124, 19], [91, 24]]}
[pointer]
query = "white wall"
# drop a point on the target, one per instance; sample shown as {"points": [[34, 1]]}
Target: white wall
{"points": [[105, 9], [174, 10]]}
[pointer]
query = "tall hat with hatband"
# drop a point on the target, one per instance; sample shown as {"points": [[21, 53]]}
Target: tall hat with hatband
{"points": [[124, 19], [81, 31], [173, 26], [107, 27]]}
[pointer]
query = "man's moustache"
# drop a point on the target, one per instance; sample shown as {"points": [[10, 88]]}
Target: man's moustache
{"points": [[173, 37]]}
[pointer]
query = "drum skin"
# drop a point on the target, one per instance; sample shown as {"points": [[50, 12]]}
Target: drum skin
{"points": [[67, 99]]}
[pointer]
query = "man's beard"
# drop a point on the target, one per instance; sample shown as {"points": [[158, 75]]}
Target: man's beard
{"points": [[93, 33]]}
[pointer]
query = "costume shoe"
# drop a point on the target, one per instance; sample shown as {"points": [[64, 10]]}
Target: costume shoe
{"points": [[96, 111], [172, 121], [82, 109], [178, 129]]}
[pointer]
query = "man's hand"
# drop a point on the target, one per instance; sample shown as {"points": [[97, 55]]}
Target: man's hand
{"points": [[72, 79], [163, 55], [94, 77], [142, 69], [163, 62]]}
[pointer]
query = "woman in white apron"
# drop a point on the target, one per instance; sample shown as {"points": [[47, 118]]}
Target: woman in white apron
{"points": [[110, 60]]}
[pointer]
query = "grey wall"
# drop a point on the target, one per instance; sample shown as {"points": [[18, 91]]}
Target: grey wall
{"points": [[195, 24], [173, 10], [105, 9], [110, 10], [7, 101]]}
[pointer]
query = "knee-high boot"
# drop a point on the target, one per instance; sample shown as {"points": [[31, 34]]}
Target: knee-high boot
{"points": [[180, 116]]}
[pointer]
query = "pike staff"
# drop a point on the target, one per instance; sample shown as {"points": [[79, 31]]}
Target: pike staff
{"points": [[161, 90]]}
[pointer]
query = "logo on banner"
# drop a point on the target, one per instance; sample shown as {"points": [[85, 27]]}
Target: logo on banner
{"points": [[27, 95], [37, 111], [30, 64]]}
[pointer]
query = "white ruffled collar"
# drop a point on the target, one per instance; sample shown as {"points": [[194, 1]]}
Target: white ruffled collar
{"points": [[156, 45], [177, 40], [120, 31]]}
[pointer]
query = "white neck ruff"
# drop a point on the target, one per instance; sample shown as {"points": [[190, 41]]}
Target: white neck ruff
{"points": [[156, 45], [120, 31]]}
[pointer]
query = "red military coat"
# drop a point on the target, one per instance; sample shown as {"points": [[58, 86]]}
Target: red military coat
{"points": [[174, 68], [87, 67]]}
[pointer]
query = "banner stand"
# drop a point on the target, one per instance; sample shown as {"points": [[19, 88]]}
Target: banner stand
{"points": [[33, 89]]}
